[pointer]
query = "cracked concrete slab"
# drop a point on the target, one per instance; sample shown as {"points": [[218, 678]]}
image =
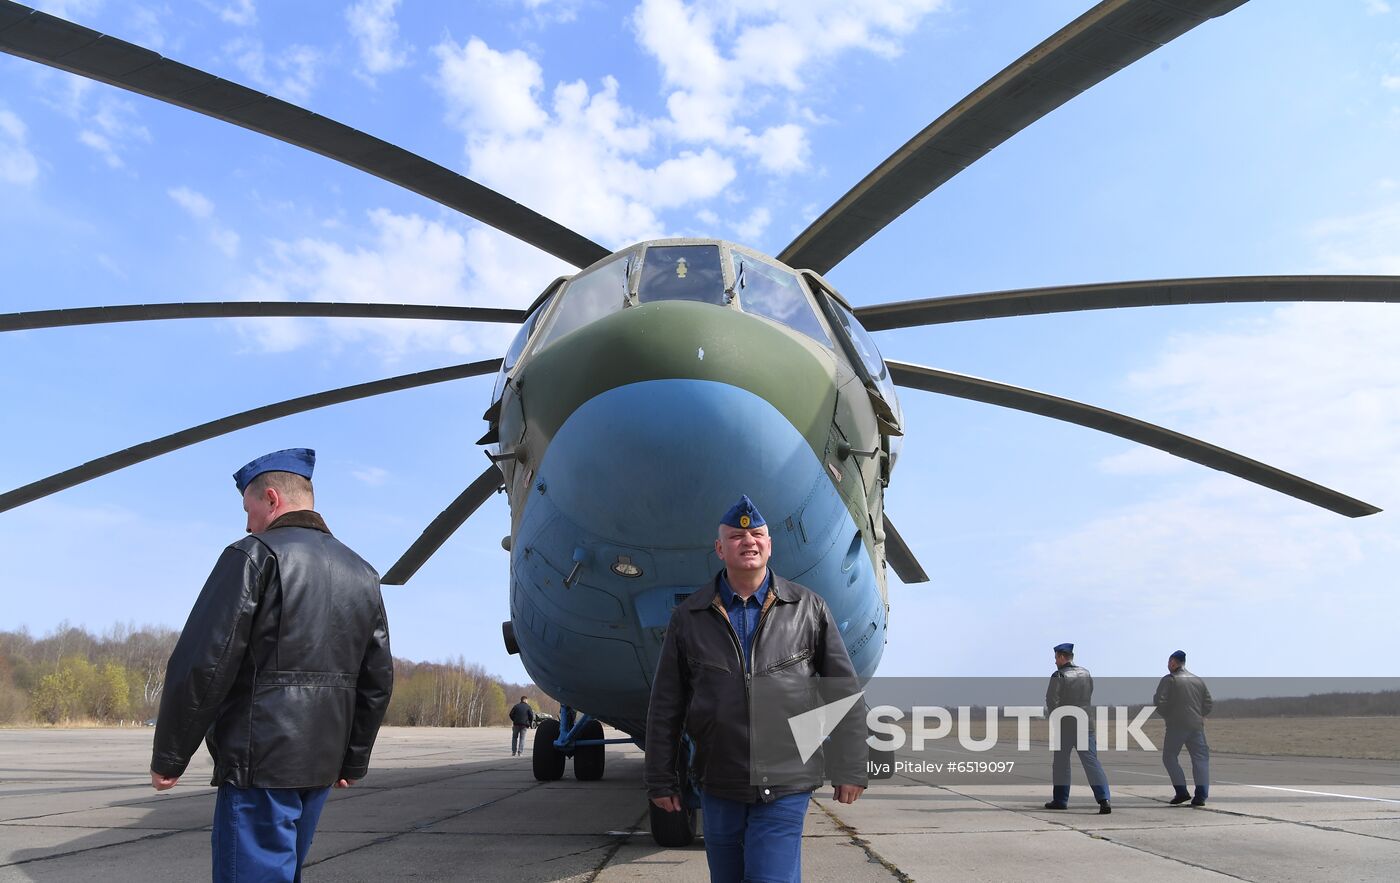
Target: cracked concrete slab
{"points": [[452, 804]]}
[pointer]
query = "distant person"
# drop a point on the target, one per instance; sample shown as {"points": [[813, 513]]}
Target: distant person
{"points": [[283, 669], [701, 687], [1072, 685], [1184, 702], [522, 717]]}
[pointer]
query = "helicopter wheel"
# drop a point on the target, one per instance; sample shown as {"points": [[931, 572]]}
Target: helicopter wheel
{"points": [[548, 760], [589, 759], [674, 830]]}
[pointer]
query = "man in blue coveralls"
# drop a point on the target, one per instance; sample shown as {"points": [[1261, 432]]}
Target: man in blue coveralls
{"points": [[745, 622], [1072, 685]]}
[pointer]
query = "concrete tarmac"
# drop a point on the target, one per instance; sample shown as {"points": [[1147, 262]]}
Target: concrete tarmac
{"points": [[454, 805]]}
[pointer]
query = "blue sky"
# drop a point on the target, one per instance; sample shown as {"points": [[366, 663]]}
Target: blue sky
{"points": [[1262, 142]]}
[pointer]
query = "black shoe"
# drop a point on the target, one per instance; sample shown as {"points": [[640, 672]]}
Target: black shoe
{"points": [[1198, 801], [1104, 808], [1053, 805], [1179, 799]]}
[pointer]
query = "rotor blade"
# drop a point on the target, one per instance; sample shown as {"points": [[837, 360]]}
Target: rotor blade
{"points": [[58, 43], [444, 526], [1093, 47], [234, 309], [1030, 401], [1110, 295], [901, 557], [223, 426]]}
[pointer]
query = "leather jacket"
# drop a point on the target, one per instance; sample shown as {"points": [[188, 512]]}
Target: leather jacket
{"points": [[1071, 685], [701, 687], [1183, 700], [521, 714], [283, 666]]}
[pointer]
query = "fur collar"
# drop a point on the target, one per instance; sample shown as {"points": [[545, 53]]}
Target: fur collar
{"points": [[301, 518]]}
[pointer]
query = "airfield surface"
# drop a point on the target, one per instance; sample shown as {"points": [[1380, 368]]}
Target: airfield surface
{"points": [[453, 805]]}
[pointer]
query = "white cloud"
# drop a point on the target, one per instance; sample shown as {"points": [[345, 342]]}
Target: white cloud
{"points": [[736, 56], [292, 74], [372, 24], [752, 228], [1377, 7], [201, 208], [1391, 82], [145, 27], [73, 10], [489, 91], [546, 12], [579, 160], [243, 13], [197, 204], [404, 259], [108, 123], [371, 475], [17, 163]]}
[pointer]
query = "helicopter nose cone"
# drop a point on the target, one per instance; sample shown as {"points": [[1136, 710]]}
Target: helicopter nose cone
{"points": [[656, 464]]}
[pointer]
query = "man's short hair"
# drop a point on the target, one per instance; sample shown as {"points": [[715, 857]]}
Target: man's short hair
{"points": [[290, 485]]}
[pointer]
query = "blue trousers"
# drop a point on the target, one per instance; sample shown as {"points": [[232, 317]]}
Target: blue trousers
{"points": [[1195, 742], [263, 834], [754, 842], [1093, 770], [517, 738]]}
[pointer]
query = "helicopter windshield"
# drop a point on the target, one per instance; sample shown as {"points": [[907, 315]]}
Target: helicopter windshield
{"points": [[588, 297], [768, 291], [682, 272], [517, 346], [870, 357]]}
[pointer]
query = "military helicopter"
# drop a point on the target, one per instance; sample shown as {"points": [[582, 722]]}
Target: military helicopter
{"points": [[644, 393]]}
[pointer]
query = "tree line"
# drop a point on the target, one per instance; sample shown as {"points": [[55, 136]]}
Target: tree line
{"points": [[71, 676]]}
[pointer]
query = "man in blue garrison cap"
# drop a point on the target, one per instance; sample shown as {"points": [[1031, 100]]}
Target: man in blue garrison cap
{"points": [[1072, 689], [282, 669], [1184, 700], [746, 622]]}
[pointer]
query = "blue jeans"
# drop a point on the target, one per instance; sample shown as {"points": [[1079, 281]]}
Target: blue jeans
{"points": [[1195, 743], [517, 738], [754, 842], [1093, 770], [263, 834]]}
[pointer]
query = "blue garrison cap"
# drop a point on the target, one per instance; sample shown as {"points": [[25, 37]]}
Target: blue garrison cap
{"points": [[1064, 648], [299, 461], [743, 514], [1179, 656]]}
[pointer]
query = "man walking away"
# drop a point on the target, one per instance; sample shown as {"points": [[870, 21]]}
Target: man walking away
{"points": [[522, 716], [283, 669], [1072, 686], [1184, 702]]}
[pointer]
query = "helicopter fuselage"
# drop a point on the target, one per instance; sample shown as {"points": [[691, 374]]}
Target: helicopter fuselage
{"points": [[624, 438]]}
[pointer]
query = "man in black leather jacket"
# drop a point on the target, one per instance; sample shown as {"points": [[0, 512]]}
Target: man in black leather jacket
{"points": [[283, 669], [747, 623], [1184, 701], [1071, 686]]}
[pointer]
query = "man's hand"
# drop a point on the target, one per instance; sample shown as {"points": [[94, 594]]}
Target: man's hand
{"points": [[848, 793], [163, 783], [670, 804], [344, 783]]}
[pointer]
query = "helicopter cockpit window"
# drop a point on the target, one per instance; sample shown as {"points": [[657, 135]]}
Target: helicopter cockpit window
{"points": [[682, 272], [870, 357], [589, 297], [767, 291], [517, 346]]}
